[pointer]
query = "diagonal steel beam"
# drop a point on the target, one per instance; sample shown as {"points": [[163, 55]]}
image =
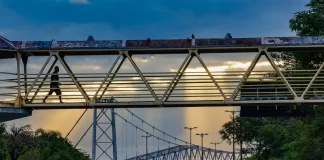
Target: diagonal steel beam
{"points": [[270, 59], [106, 77], [76, 123], [44, 79], [142, 77], [246, 75], [105, 132], [113, 76], [210, 75], [96, 119], [313, 79], [177, 77], [38, 75], [74, 79], [104, 152]]}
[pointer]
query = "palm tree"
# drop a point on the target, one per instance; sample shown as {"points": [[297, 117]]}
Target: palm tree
{"points": [[58, 147], [20, 140], [24, 144]]}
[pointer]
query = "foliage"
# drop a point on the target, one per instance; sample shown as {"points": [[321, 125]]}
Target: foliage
{"points": [[21, 143], [19, 140], [287, 138], [305, 23], [59, 148], [3, 151], [309, 22]]}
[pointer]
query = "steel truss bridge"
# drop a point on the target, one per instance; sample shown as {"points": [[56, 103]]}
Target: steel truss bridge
{"points": [[131, 133], [165, 89], [183, 152], [24, 91]]}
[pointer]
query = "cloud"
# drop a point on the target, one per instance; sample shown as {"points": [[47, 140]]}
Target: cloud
{"points": [[139, 21], [79, 1]]}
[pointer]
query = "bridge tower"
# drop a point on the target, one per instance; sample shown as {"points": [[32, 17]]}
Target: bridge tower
{"points": [[104, 144]]}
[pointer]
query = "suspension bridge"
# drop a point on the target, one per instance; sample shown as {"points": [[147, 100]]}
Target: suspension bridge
{"points": [[105, 93]]}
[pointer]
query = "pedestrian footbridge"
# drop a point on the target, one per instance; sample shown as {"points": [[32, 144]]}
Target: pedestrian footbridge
{"points": [[175, 88]]}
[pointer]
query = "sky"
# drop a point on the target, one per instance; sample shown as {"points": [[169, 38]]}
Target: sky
{"points": [[128, 19]]}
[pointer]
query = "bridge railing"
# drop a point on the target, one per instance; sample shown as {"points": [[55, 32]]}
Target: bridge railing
{"points": [[192, 86], [8, 87]]}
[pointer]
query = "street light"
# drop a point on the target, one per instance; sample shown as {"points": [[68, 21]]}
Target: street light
{"points": [[147, 136], [233, 121], [215, 143], [202, 143], [190, 129]]}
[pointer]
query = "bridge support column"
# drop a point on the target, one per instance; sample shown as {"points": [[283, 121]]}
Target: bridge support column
{"points": [[25, 61], [18, 102], [114, 136], [102, 140], [94, 134]]}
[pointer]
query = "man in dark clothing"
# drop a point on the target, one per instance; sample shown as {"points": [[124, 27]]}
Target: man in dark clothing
{"points": [[54, 86]]}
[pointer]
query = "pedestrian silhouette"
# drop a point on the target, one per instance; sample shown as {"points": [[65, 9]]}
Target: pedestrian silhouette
{"points": [[54, 86]]}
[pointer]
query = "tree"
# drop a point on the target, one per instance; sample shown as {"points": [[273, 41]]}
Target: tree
{"points": [[20, 140], [309, 22], [21, 143], [305, 23], [57, 147], [288, 138], [3, 151]]}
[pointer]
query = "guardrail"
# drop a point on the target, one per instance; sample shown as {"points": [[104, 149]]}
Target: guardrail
{"points": [[193, 86]]}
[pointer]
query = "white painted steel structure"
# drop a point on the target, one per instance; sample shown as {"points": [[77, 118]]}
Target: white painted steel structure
{"points": [[182, 152], [302, 85]]}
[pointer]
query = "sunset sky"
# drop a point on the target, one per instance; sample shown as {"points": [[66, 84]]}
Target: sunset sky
{"points": [[126, 19]]}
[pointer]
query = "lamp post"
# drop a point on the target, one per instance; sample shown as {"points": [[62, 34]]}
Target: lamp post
{"points": [[215, 143], [147, 136], [190, 129], [233, 121], [202, 143]]}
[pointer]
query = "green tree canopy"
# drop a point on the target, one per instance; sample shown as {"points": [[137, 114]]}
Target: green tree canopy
{"points": [[21, 143], [288, 138]]}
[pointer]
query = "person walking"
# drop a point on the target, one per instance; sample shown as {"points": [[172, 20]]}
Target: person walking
{"points": [[54, 86]]}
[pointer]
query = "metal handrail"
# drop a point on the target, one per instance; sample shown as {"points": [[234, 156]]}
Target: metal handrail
{"points": [[129, 85]]}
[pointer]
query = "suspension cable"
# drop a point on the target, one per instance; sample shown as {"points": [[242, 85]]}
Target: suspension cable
{"points": [[166, 141], [153, 126], [126, 140], [158, 146], [153, 141], [133, 153], [76, 123], [136, 141], [122, 134], [98, 117]]}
